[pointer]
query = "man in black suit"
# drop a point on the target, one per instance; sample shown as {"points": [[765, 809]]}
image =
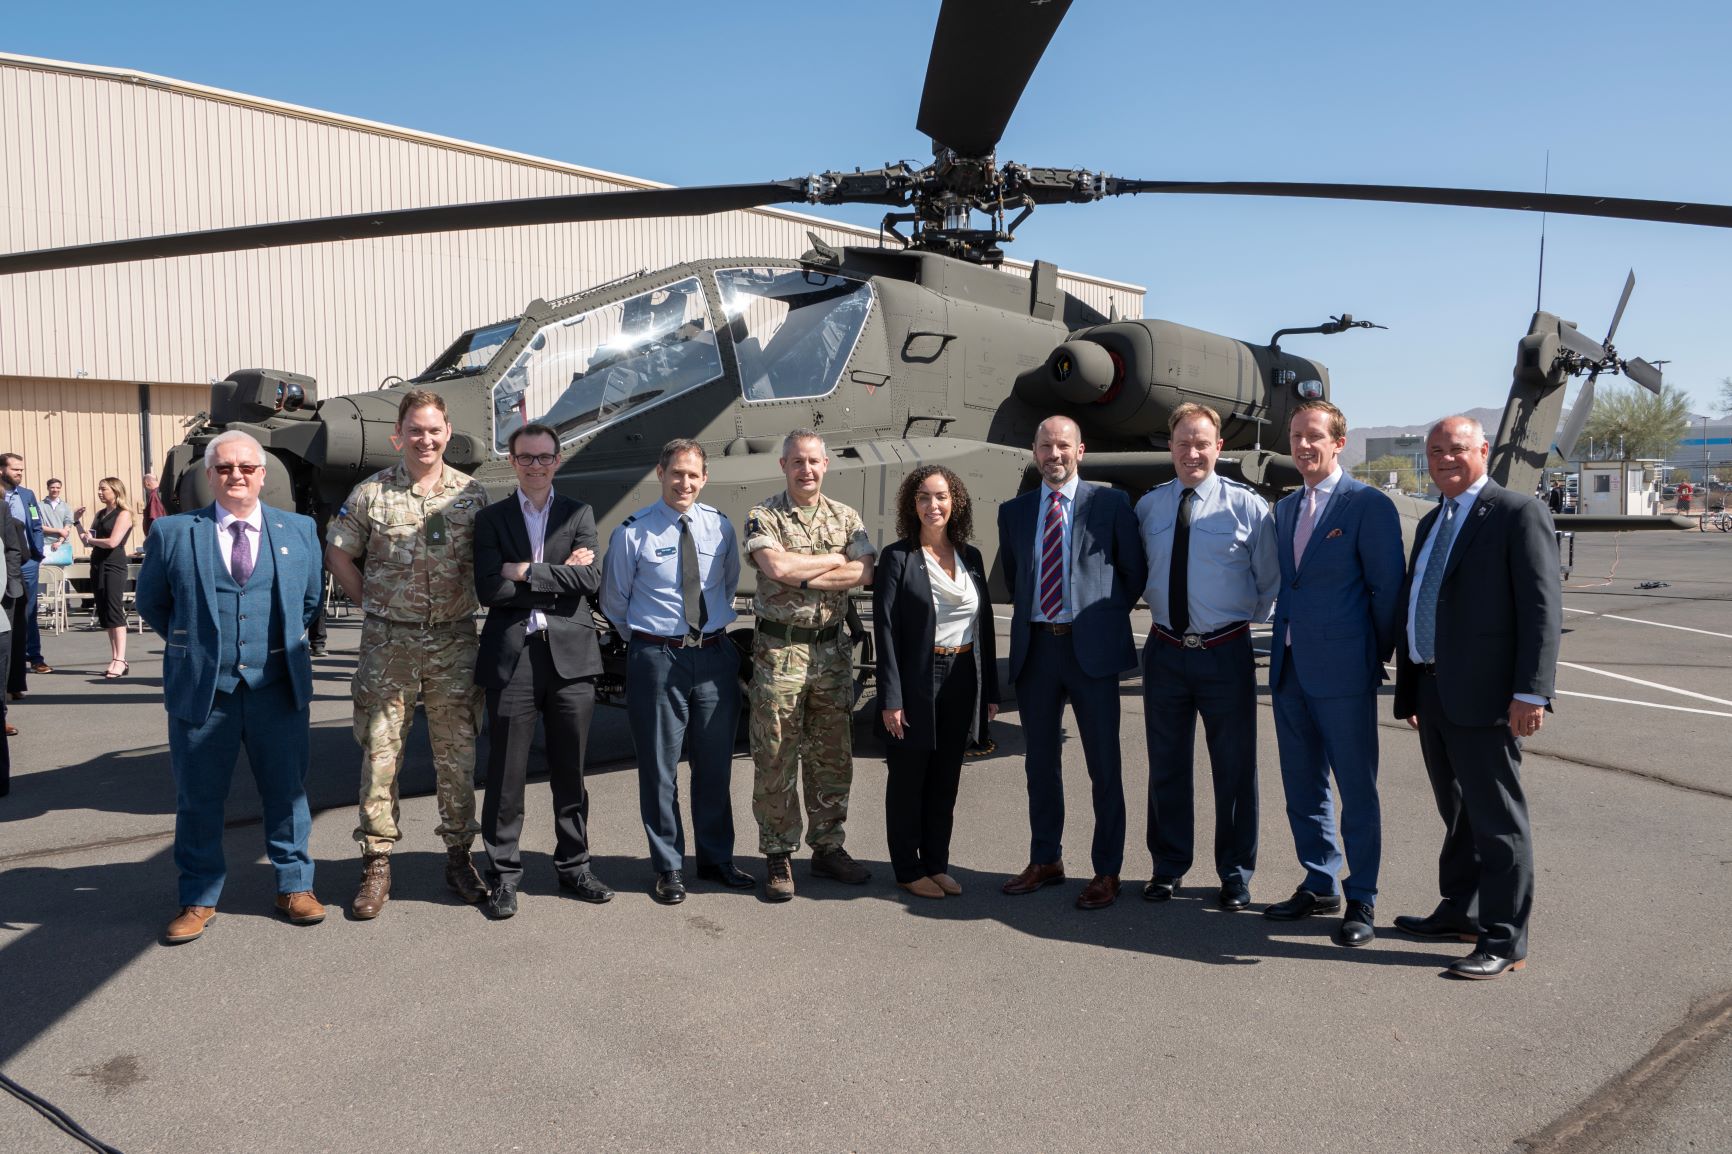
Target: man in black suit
{"points": [[1474, 675], [11, 588], [536, 571]]}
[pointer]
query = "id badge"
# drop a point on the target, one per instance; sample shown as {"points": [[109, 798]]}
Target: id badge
{"points": [[434, 528]]}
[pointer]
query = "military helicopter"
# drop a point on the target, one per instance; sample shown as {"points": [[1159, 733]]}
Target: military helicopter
{"points": [[927, 351]]}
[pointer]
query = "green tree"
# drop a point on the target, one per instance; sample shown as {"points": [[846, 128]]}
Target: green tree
{"points": [[1630, 422], [1377, 472]]}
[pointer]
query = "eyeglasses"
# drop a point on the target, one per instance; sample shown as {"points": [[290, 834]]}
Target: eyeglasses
{"points": [[536, 458], [243, 470]]}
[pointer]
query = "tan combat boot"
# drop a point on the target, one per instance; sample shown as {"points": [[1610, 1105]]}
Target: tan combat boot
{"points": [[781, 883], [460, 875], [375, 888]]}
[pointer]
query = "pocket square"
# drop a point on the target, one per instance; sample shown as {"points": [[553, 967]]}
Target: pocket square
{"points": [[1332, 534]]}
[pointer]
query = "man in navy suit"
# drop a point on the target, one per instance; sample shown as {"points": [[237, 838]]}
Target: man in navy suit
{"points": [[1336, 620], [230, 588], [26, 637], [1475, 675], [1074, 565]]}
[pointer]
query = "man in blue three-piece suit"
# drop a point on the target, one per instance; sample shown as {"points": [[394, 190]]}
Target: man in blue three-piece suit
{"points": [[1336, 620], [230, 589], [1074, 565]]}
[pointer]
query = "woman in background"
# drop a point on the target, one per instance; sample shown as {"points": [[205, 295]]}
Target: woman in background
{"points": [[106, 540], [937, 671]]}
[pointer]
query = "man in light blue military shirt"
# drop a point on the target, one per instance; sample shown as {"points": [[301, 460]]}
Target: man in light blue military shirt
{"points": [[1213, 570], [668, 584]]}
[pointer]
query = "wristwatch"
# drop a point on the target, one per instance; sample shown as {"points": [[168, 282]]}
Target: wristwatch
{"points": [[805, 584]]}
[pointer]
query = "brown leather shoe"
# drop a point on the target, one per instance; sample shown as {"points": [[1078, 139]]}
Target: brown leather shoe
{"points": [[42, 667], [1033, 877], [11, 731], [460, 875], [375, 888], [301, 908], [1101, 892], [189, 925]]}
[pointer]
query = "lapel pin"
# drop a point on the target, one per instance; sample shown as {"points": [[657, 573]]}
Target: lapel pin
{"points": [[1332, 534], [1483, 510], [284, 550]]}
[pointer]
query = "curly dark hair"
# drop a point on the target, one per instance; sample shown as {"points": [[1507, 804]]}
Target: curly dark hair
{"points": [[961, 524]]}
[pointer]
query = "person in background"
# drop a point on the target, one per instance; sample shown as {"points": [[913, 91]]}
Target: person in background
{"points": [[26, 640], [11, 588], [106, 540], [153, 507], [937, 671]]}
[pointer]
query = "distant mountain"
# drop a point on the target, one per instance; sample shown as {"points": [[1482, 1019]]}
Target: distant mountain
{"points": [[1354, 453]]}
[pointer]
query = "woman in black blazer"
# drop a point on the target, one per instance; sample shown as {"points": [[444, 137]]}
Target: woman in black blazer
{"points": [[937, 670]]}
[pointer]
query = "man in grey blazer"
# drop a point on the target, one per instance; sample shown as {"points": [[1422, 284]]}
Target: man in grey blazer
{"points": [[230, 589], [1074, 565], [1474, 674]]}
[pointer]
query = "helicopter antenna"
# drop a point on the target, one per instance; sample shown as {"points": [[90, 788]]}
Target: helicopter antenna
{"points": [[1540, 288]]}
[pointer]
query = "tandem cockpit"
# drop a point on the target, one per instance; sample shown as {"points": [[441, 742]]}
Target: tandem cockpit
{"points": [[789, 333]]}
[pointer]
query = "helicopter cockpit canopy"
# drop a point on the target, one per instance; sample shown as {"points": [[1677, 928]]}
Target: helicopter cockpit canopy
{"points": [[584, 371], [793, 329], [472, 352]]}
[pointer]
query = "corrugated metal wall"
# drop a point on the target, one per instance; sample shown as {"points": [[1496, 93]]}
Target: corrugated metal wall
{"points": [[90, 154]]}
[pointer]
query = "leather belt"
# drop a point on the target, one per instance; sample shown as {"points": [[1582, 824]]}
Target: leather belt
{"points": [[952, 650], [798, 633], [703, 642], [1056, 628], [1202, 640]]}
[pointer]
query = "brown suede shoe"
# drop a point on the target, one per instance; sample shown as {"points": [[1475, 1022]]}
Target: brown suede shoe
{"points": [[1034, 876], [948, 884], [460, 875], [375, 888], [189, 925], [1100, 893], [922, 888], [301, 908]]}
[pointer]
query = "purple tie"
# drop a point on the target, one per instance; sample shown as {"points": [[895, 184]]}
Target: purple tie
{"points": [[1052, 561], [241, 559], [1307, 522]]}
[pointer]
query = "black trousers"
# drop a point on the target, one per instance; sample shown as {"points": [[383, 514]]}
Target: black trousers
{"points": [[1486, 870], [920, 795], [565, 705], [17, 669], [5, 742]]}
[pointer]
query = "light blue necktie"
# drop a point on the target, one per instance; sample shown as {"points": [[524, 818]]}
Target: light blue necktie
{"points": [[1425, 613]]}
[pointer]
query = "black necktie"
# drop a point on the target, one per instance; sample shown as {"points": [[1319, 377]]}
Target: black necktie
{"points": [[691, 588], [1179, 576]]}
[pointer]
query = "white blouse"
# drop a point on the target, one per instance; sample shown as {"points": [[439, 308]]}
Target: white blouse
{"points": [[955, 602]]}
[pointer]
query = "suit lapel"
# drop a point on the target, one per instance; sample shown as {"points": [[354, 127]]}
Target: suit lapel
{"points": [[1079, 533], [1475, 516], [275, 541], [208, 554], [519, 527], [561, 532]]}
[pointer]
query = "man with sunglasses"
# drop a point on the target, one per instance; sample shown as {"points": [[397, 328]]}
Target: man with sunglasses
{"points": [[414, 524], [230, 589], [537, 573]]}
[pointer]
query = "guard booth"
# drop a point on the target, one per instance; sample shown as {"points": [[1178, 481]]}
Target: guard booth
{"points": [[1620, 488]]}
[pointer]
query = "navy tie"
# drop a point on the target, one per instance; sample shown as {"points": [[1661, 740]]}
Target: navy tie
{"points": [[241, 559], [1425, 612]]}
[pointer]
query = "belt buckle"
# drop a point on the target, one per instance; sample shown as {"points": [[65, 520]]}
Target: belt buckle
{"points": [[1193, 641]]}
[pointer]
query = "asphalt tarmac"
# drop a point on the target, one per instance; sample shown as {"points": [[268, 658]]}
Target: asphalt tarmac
{"points": [[860, 1019]]}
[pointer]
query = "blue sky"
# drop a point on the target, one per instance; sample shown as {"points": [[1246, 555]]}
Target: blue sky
{"points": [[1630, 103]]}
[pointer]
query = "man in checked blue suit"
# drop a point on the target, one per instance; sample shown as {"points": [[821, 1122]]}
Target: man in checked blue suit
{"points": [[231, 589], [1336, 620], [1074, 564]]}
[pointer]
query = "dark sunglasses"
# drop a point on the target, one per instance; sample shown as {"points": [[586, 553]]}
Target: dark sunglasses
{"points": [[243, 470]]}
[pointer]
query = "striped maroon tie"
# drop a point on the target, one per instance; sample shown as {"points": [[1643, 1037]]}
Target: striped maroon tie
{"points": [[1052, 560]]}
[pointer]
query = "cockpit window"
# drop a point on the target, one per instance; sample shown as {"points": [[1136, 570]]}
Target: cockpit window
{"points": [[582, 372], [472, 352], [793, 329]]}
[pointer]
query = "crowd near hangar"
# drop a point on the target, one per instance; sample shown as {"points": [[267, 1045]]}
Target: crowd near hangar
{"points": [[101, 367]]}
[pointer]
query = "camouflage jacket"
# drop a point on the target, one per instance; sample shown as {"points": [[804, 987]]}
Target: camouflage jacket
{"points": [[827, 527], [418, 552]]}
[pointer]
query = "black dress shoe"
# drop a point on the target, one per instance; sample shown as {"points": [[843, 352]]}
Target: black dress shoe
{"points": [[1438, 926], [1161, 888], [1234, 895], [1480, 966], [503, 903], [1356, 924], [670, 888], [1303, 904], [728, 874], [585, 887]]}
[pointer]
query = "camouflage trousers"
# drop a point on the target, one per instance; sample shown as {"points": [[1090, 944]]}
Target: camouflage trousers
{"points": [[801, 719], [397, 663]]}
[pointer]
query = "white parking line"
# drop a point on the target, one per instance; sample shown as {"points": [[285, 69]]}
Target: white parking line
{"points": [[1663, 625], [1648, 684], [1649, 704]]}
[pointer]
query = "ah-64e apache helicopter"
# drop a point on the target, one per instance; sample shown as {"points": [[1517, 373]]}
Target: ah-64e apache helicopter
{"points": [[899, 356]]}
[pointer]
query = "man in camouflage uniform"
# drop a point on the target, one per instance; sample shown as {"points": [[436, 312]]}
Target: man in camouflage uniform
{"points": [[809, 551], [412, 526]]}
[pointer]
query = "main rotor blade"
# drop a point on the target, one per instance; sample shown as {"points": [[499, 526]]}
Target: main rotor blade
{"points": [[1620, 208], [1644, 374], [1577, 341], [1578, 419], [1618, 313], [631, 204], [983, 53]]}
